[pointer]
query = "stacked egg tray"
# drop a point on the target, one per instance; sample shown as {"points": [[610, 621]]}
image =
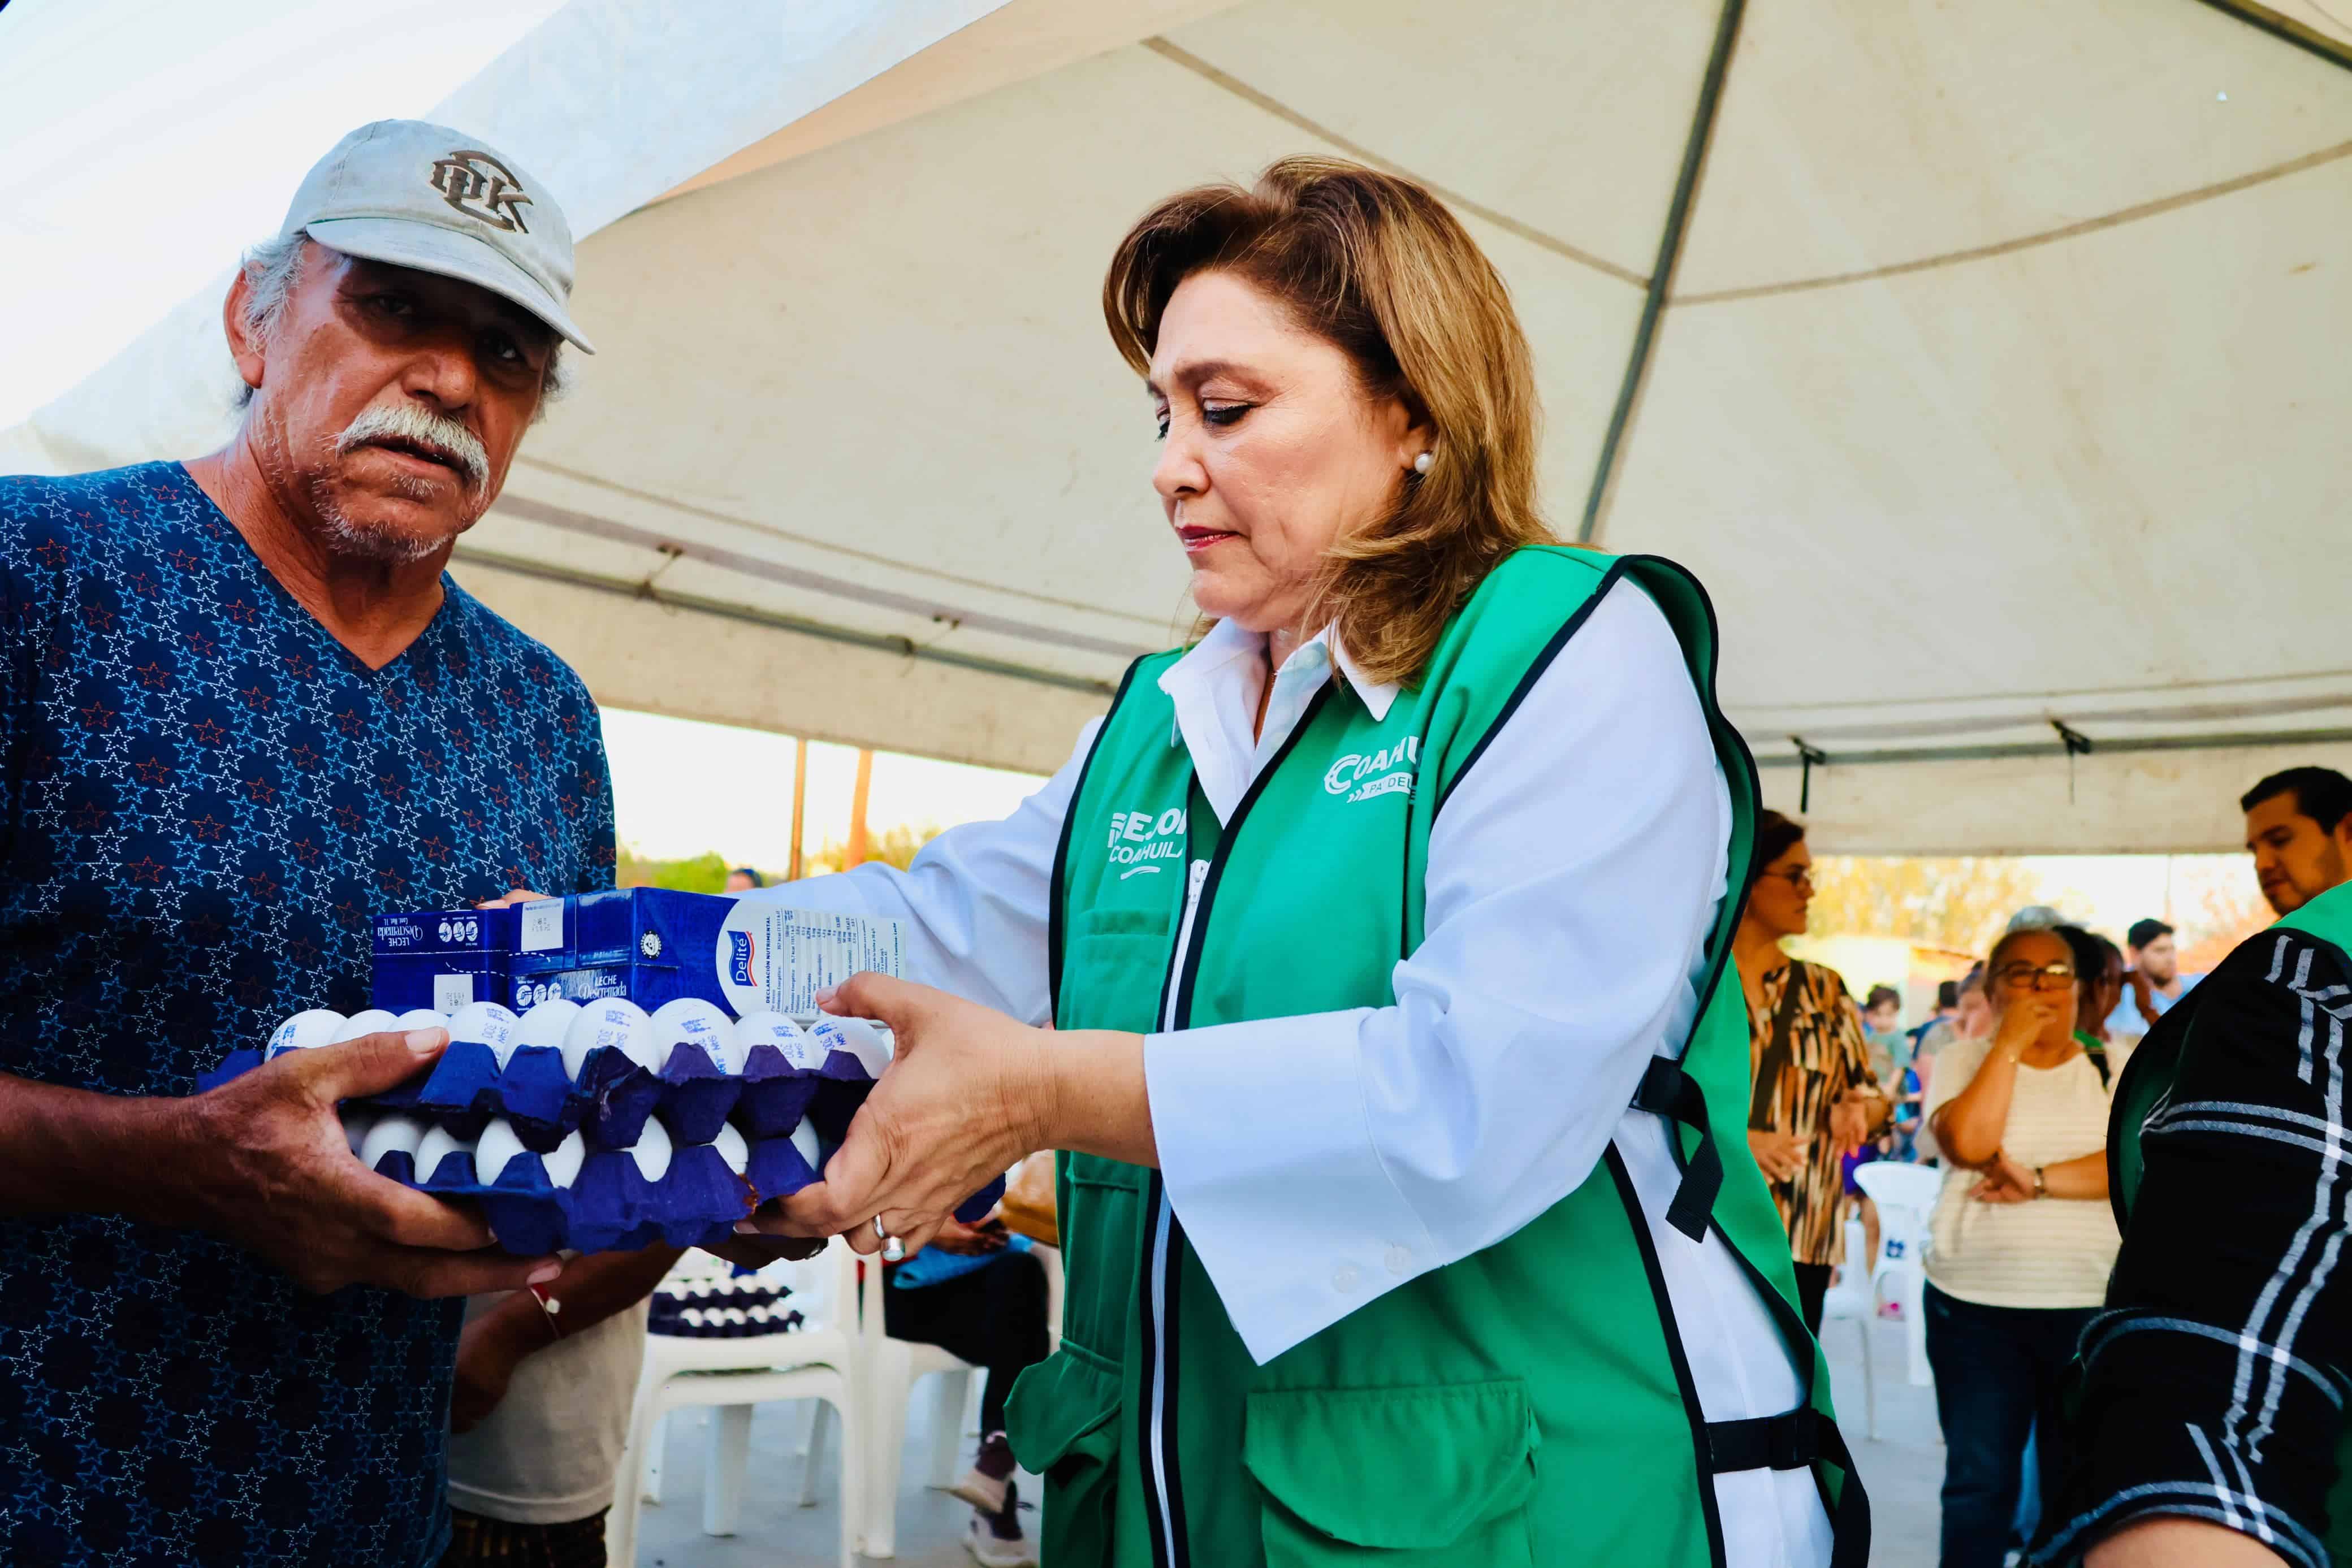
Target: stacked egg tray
{"points": [[601, 1127], [733, 1308]]}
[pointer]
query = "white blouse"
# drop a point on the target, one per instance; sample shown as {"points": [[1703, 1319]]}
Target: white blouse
{"points": [[1319, 1161], [2052, 1251]]}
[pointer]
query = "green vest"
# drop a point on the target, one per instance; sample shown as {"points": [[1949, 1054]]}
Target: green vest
{"points": [[2147, 1081], [1527, 1404]]}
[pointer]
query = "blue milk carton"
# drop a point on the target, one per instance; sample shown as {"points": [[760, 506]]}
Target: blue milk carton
{"points": [[442, 958], [653, 945]]}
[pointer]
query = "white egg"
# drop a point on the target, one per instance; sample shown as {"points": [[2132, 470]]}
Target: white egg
{"points": [[436, 1146], [776, 1029], [732, 1149], [863, 1038], [375, 1020], [652, 1152], [390, 1133], [304, 1030], [494, 1148], [485, 1023], [805, 1140], [356, 1124], [690, 1020], [420, 1018], [545, 1024], [564, 1163], [615, 1021]]}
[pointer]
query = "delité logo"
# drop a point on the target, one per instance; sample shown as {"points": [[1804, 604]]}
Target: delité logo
{"points": [[738, 958]]}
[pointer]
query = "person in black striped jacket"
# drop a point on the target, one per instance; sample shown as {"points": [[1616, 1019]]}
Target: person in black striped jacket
{"points": [[2214, 1384]]}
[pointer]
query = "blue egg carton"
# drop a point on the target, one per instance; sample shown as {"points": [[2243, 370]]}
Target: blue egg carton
{"points": [[575, 1174], [592, 1201]]}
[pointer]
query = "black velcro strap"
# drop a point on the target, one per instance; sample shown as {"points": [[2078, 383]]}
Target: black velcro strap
{"points": [[1789, 1441], [1850, 1521], [1667, 1091]]}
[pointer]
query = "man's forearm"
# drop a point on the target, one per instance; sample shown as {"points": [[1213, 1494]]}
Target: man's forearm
{"points": [[69, 1151]]}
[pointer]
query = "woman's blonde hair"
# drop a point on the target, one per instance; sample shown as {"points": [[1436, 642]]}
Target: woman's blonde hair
{"points": [[1374, 265]]}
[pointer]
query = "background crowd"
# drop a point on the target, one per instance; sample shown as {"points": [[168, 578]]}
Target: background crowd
{"points": [[2006, 1089]]}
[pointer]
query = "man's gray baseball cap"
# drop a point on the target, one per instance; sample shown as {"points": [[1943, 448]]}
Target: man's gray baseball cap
{"points": [[413, 195]]}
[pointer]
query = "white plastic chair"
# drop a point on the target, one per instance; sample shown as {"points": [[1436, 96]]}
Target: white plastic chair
{"points": [[1855, 1298], [889, 1369], [1051, 1258], [1905, 1197], [884, 1400], [818, 1361]]}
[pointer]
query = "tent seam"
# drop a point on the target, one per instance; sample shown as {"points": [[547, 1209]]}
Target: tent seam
{"points": [[2217, 741], [896, 563], [2115, 219], [587, 523], [1179, 56], [875, 641]]}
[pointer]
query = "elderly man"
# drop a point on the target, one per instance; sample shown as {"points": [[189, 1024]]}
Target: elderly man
{"points": [[242, 709]]}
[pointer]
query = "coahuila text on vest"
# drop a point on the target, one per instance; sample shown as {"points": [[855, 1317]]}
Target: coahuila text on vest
{"points": [[1139, 840], [1360, 777]]}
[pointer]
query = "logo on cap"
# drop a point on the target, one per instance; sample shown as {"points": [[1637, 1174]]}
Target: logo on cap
{"points": [[479, 187]]}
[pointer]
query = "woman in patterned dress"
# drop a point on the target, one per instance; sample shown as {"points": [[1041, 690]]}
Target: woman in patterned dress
{"points": [[1815, 1098]]}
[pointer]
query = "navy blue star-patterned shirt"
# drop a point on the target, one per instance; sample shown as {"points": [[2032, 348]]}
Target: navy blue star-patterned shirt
{"points": [[203, 799]]}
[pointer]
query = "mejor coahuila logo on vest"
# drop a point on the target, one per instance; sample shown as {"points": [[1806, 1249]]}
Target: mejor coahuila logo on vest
{"points": [[1139, 841], [1360, 777]]}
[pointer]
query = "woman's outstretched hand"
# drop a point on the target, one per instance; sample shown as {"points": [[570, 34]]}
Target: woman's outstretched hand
{"points": [[968, 1092]]}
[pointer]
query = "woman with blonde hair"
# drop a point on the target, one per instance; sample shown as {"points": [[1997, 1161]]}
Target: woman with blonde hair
{"points": [[1408, 1206]]}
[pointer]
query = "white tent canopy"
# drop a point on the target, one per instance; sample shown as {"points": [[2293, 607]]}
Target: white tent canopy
{"points": [[1986, 360]]}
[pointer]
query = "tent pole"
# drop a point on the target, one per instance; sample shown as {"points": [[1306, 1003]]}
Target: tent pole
{"points": [[1662, 275], [857, 855], [2279, 26], [800, 803]]}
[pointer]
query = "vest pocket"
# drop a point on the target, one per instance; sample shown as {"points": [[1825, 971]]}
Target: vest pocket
{"points": [[1102, 1237], [1059, 1421], [1432, 1477]]}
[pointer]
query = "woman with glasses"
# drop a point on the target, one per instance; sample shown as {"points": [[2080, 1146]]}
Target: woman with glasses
{"points": [[2022, 1239], [1815, 1099]]}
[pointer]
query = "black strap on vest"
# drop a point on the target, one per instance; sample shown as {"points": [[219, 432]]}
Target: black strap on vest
{"points": [[1789, 1441], [1667, 1091], [1795, 1440]]}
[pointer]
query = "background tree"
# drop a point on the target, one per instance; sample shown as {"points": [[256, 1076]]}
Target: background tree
{"points": [[1959, 904], [2223, 915], [893, 846], [707, 872], [704, 872]]}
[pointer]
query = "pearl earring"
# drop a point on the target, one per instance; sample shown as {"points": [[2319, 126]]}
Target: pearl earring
{"points": [[1420, 463]]}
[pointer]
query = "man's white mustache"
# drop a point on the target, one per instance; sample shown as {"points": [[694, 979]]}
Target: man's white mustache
{"points": [[413, 422]]}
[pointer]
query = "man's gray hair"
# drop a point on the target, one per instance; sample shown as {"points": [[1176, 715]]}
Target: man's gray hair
{"points": [[273, 267]]}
